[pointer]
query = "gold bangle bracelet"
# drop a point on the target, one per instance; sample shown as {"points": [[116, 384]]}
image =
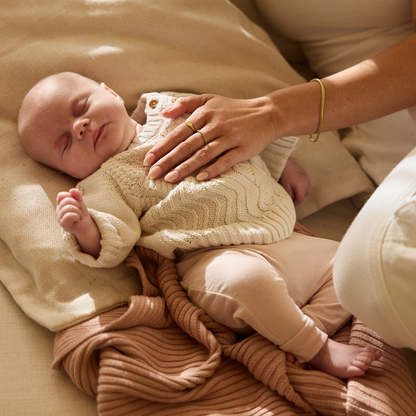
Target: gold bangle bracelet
{"points": [[321, 113]]}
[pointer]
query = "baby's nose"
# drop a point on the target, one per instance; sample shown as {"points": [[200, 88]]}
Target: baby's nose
{"points": [[80, 128]]}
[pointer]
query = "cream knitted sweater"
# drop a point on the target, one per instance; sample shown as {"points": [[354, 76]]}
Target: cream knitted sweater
{"points": [[244, 205]]}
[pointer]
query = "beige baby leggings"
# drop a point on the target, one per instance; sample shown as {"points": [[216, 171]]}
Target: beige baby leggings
{"points": [[284, 290]]}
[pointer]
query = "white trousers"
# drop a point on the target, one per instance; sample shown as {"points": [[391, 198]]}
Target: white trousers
{"points": [[375, 267], [283, 290]]}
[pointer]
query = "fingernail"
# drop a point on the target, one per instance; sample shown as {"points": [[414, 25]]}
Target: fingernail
{"points": [[172, 176], [149, 159], [154, 172], [202, 176]]}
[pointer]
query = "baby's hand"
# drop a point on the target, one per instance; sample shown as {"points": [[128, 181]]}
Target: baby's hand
{"points": [[72, 213], [295, 181]]}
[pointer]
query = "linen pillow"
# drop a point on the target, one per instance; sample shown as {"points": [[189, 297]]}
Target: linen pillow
{"points": [[134, 46]]}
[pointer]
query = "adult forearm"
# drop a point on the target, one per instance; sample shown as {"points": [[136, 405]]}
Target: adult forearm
{"points": [[239, 129], [374, 88]]}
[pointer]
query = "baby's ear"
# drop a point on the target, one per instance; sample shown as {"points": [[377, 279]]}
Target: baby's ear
{"points": [[102, 85]]}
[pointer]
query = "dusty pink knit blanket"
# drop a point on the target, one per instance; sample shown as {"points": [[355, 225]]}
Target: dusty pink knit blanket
{"points": [[161, 355]]}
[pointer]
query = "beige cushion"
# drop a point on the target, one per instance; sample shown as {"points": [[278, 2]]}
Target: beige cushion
{"points": [[135, 47], [333, 172], [379, 145]]}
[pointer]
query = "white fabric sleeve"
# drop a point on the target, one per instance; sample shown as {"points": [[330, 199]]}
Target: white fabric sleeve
{"points": [[276, 154], [117, 222]]}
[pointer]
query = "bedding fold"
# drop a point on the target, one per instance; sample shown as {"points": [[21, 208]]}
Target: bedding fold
{"points": [[162, 355]]}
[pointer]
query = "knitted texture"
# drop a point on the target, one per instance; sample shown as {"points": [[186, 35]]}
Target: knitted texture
{"points": [[244, 205], [162, 355]]}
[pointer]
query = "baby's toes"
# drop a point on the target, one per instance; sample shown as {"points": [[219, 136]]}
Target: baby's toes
{"points": [[292, 359], [364, 359]]}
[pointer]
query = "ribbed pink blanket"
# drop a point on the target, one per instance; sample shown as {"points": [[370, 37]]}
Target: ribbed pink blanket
{"points": [[161, 355]]}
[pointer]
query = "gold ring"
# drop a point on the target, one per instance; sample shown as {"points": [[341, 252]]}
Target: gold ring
{"points": [[203, 136], [189, 124]]}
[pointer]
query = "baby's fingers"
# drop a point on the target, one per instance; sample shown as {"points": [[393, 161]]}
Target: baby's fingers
{"points": [[68, 215], [76, 195], [61, 196], [67, 204], [69, 220]]}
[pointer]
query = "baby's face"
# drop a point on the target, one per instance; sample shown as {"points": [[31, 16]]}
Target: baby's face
{"points": [[74, 125]]}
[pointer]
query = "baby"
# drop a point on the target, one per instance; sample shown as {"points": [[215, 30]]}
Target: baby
{"points": [[231, 237]]}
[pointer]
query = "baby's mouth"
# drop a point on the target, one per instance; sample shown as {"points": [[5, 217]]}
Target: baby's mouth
{"points": [[98, 134]]}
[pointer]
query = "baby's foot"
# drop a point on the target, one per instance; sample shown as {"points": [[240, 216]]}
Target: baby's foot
{"points": [[344, 361], [292, 359]]}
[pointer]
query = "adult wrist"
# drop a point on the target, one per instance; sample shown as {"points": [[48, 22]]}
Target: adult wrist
{"points": [[296, 109], [280, 116]]}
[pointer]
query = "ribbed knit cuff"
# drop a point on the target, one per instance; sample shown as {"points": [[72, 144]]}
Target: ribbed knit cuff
{"points": [[276, 154], [111, 244]]}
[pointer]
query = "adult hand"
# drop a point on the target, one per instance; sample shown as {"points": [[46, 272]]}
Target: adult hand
{"points": [[235, 130]]}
